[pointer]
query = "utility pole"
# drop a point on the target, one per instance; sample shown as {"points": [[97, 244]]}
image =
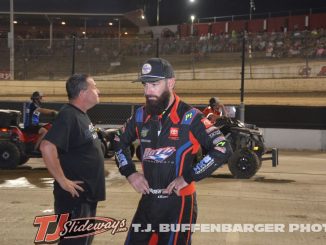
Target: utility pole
{"points": [[242, 105], [11, 42], [73, 54], [243, 53]]}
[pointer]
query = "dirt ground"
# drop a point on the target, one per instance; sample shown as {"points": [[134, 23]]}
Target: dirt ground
{"points": [[292, 99], [292, 193]]}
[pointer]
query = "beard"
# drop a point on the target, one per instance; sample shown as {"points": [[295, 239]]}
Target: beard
{"points": [[156, 107]]}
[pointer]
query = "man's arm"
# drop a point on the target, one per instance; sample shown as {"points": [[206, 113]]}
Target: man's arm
{"points": [[46, 111], [122, 142], [51, 160], [213, 141], [219, 151]]}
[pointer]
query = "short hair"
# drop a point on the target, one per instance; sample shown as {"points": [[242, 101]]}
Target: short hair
{"points": [[75, 84], [214, 101]]}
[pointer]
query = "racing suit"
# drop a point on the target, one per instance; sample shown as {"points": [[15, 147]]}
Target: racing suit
{"points": [[168, 147]]}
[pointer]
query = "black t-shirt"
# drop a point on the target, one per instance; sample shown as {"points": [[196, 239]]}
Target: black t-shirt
{"points": [[80, 153]]}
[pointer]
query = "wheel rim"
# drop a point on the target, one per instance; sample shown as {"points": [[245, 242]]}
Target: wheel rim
{"points": [[5, 155], [244, 165]]}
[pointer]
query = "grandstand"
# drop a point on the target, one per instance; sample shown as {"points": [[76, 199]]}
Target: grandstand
{"points": [[283, 48]]}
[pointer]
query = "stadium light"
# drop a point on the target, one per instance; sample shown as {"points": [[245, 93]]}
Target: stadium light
{"points": [[192, 17], [15, 22], [63, 23], [110, 24]]}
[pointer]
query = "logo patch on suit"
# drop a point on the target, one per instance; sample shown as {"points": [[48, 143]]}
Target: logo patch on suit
{"points": [[174, 133], [158, 155], [144, 132]]}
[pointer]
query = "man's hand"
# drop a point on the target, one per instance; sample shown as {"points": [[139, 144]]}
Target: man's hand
{"points": [[139, 183], [51, 160], [176, 185], [71, 186], [212, 117], [55, 113]]}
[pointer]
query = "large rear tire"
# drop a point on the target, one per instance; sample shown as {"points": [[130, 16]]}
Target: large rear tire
{"points": [[9, 155], [23, 159], [244, 164]]}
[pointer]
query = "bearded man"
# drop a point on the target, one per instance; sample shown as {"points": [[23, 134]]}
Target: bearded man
{"points": [[170, 133]]}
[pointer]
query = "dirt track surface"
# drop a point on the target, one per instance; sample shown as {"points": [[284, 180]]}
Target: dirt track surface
{"points": [[293, 99], [292, 193]]}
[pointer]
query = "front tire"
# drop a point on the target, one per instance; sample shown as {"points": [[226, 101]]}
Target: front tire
{"points": [[244, 164], [9, 155]]}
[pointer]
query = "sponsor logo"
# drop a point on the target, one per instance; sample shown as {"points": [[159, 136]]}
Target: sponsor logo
{"points": [[144, 132], [211, 129], [218, 140], [156, 191], [188, 117], [36, 113], [214, 133], [222, 143], [145, 141], [204, 164], [121, 158], [66, 228], [207, 123], [146, 69], [174, 133], [158, 155]]}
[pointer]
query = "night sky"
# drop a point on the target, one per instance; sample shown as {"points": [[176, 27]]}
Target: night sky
{"points": [[171, 11]]}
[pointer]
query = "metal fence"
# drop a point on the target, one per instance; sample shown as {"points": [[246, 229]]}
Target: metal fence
{"points": [[265, 116], [268, 55]]}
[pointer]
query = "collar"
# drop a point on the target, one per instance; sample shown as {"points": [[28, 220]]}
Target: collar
{"points": [[174, 115]]}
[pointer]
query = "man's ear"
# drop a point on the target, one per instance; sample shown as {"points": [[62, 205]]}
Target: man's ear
{"points": [[82, 93], [171, 83]]}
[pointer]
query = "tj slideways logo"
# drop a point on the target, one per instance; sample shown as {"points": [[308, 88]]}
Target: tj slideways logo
{"points": [[53, 227]]}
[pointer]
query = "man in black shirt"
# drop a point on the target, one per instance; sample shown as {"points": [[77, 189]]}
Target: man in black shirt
{"points": [[72, 153], [170, 133]]}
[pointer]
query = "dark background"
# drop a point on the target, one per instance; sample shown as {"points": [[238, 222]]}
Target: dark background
{"points": [[265, 116], [171, 11]]}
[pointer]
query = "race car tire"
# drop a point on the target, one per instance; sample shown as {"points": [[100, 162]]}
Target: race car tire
{"points": [[9, 155], [23, 159], [243, 164]]}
